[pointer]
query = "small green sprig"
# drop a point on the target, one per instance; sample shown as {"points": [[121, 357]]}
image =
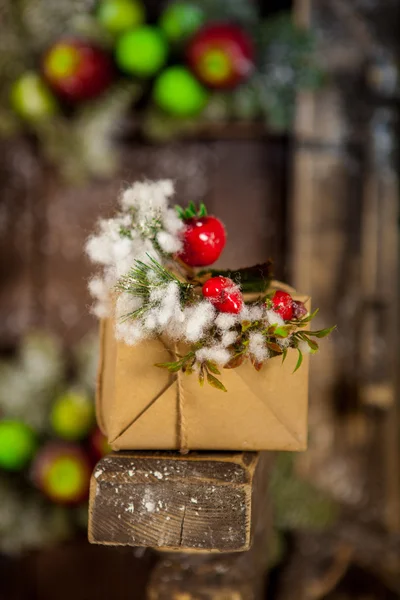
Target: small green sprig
{"points": [[143, 278], [206, 369]]}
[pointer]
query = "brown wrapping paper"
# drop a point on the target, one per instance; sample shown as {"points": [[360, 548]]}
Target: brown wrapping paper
{"points": [[143, 407]]}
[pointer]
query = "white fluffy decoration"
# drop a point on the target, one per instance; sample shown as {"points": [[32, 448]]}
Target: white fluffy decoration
{"points": [[145, 225], [153, 195], [126, 304], [198, 319], [216, 354], [225, 321], [228, 338], [130, 332], [172, 223], [169, 304], [168, 243], [100, 291], [274, 318], [251, 313], [257, 347], [304, 347]]}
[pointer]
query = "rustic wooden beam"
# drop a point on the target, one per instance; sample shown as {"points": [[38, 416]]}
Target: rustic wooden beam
{"points": [[201, 502], [231, 576], [344, 235]]}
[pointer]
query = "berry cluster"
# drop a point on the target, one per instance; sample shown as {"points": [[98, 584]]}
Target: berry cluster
{"points": [[204, 239]]}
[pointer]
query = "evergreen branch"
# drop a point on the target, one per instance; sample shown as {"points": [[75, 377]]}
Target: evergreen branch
{"points": [[144, 277]]}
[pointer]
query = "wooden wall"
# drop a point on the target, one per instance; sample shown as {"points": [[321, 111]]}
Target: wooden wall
{"points": [[44, 222]]}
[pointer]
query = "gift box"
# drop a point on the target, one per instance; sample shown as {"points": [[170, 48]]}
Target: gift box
{"points": [[143, 407]]}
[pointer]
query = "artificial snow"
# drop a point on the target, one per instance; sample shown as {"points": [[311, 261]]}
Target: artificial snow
{"points": [[228, 338], [169, 243], [274, 318], [304, 347], [149, 506], [145, 227], [225, 321], [257, 347], [198, 319], [217, 354]]}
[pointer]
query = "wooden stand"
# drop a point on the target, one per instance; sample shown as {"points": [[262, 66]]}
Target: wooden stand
{"points": [[207, 512]]}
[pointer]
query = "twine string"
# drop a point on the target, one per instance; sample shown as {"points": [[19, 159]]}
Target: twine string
{"points": [[182, 424]]}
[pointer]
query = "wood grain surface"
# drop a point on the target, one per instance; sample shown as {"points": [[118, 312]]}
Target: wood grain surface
{"points": [[204, 502]]}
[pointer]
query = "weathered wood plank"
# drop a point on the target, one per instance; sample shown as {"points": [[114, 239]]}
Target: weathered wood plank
{"points": [[199, 502], [223, 576], [340, 194]]}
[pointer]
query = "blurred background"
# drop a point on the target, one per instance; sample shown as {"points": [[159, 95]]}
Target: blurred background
{"points": [[283, 118]]}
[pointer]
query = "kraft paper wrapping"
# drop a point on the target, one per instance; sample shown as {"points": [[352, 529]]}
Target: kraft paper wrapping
{"points": [[143, 407]]}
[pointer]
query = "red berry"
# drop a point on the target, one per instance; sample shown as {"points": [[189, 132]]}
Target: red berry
{"points": [[213, 287], [223, 294], [203, 241], [77, 70], [221, 55], [283, 304], [231, 302]]}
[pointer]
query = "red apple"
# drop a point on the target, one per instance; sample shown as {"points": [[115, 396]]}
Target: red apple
{"points": [[221, 55], [62, 472], [77, 70]]}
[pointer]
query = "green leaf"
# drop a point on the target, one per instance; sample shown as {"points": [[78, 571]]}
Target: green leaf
{"points": [[191, 210], [212, 367], [312, 345], [216, 383], [202, 212], [321, 333], [251, 279], [235, 361], [256, 364], [282, 332], [299, 361], [180, 212], [308, 318], [173, 367], [201, 376], [274, 347], [284, 354]]}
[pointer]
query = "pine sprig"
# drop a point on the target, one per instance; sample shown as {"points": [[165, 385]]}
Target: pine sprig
{"points": [[143, 278]]}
